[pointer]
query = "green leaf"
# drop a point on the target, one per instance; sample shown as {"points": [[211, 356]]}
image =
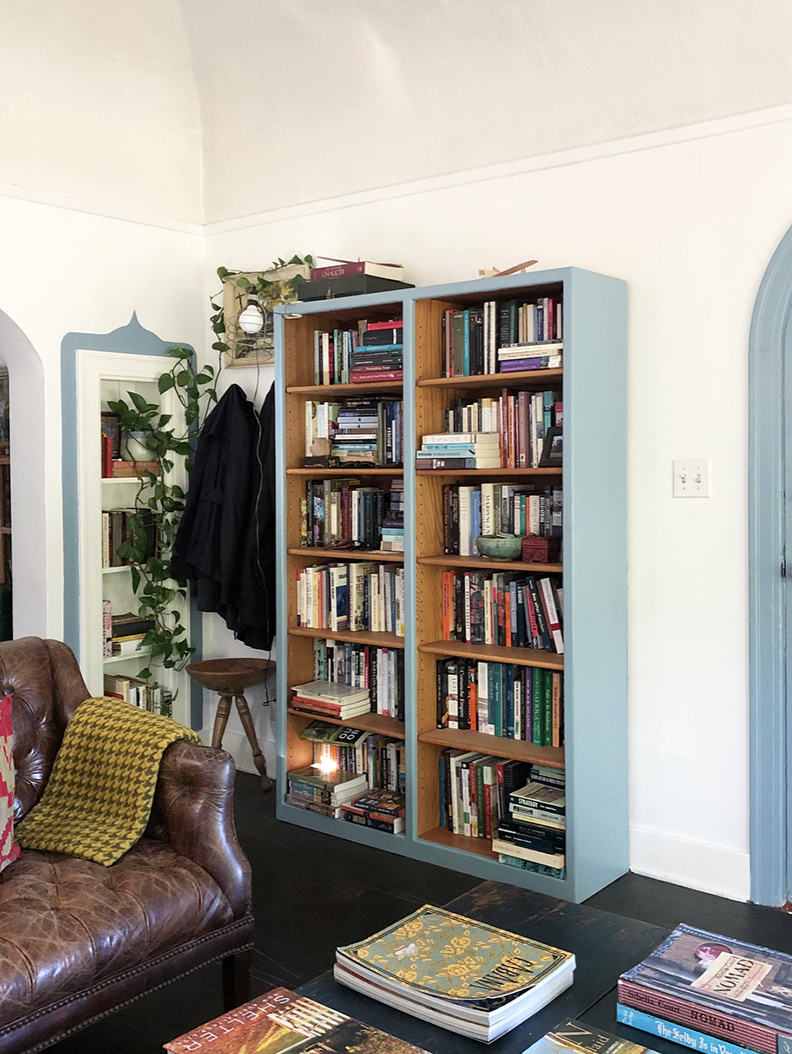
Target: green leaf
{"points": [[138, 401], [183, 378], [145, 675], [165, 383], [135, 573]]}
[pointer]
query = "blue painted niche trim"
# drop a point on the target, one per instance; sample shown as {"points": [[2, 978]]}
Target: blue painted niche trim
{"points": [[767, 526], [131, 339]]}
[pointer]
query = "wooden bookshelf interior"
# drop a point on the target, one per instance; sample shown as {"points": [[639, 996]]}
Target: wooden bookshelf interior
{"points": [[595, 687]]}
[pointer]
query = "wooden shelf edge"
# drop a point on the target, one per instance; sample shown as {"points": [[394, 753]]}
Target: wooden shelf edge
{"points": [[344, 389], [492, 380], [380, 470], [495, 653], [379, 723], [521, 472], [484, 562], [516, 749], [374, 555], [442, 836], [362, 636]]}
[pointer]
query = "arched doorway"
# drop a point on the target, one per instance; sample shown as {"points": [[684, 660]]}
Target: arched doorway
{"points": [[28, 488]]}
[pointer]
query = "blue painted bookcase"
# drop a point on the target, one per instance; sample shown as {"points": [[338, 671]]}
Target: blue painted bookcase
{"points": [[594, 387]]}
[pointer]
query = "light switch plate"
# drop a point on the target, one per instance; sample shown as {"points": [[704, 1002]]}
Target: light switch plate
{"points": [[692, 478]]}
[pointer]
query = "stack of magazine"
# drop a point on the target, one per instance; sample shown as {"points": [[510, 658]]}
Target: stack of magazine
{"points": [[711, 993], [471, 978]]}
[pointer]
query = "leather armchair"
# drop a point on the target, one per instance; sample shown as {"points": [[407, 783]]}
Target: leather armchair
{"points": [[79, 940]]}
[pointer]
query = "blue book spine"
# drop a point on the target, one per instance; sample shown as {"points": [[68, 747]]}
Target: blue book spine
{"points": [[687, 1037], [475, 518]]}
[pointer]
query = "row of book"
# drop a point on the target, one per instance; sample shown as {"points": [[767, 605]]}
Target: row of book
{"points": [[474, 338], [359, 432], [532, 828], [358, 595], [371, 351], [505, 608], [381, 670], [147, 695], [345, 513], [518, 435], [501, 699], [486, 414], [356, 750], [121, 525], [472, 510]]}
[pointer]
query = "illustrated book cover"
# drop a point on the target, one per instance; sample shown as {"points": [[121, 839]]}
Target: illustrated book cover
{"points": [[282, 1021], [581, 1038]]}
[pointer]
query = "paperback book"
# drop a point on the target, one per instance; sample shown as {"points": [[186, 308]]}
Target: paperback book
{"points": [[582, 1039], [473, 979]]}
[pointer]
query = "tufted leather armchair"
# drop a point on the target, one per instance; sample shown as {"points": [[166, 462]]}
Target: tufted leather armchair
{"points": [[79, 940]]}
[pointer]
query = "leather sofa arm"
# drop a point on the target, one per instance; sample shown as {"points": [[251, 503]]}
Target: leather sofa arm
{"points": [[195, 798]]}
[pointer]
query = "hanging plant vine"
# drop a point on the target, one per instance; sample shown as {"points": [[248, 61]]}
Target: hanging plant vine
{"points": [[159, 504]]}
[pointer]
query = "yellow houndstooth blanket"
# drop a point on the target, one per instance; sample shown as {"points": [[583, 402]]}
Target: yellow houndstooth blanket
{"points": [[97, 801]]}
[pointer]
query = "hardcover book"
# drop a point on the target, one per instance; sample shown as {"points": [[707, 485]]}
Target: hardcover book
{"points": [[722, 986], [282, 1021]]}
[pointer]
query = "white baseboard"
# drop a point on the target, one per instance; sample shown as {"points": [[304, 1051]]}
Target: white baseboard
{"points": [[238, 747], [698, 865]]}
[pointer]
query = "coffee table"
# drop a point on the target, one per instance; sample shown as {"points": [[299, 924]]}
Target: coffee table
{"points": [[605, 945]]}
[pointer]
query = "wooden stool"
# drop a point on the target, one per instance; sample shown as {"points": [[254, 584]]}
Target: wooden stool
{"points": [[229, 678]]}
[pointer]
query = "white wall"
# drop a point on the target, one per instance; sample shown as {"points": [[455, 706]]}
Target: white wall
{"points": [[100, 105], [303, 101], [691, 226], [66, 271]]}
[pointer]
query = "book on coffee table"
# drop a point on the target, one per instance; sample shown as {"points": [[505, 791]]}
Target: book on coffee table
{"points": [[281, 1021], [477, 980], [582, 1039]]}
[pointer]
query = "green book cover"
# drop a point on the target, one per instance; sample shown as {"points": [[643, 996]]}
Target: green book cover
{"points": [[536, 706], [547, 710], [455, 958]]}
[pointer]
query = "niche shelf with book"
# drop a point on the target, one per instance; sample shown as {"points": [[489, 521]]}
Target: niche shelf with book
{"points": [[514, 670]]}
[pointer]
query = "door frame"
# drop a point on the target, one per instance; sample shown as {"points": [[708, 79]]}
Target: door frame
{"points": [[769, 713]]}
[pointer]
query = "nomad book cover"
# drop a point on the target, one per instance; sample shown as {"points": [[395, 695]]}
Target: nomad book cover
{"points": [[455, 958], [281, 1021], [737, 979]]}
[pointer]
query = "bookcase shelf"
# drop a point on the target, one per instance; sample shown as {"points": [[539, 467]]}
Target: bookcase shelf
{"points": [[547, 660], [376, 555], [593, 480], [363, 636], [518, 749], [386, 726], [485, 563], [522, 379]]}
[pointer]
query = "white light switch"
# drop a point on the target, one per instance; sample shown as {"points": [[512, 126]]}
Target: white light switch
{"points": [[692, 478]]}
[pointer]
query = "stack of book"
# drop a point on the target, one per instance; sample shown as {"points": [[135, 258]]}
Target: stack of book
{"points": [[380, 809], [352, 279], [123, 634], [379, 356], [339, 701], [368, 432], [712, 993], [470, 510], [533, 830], [505, 608], [473, 337], [446, 450], [345, 513], [381, 670], [282, 1021], [532, 355], [144, 694], [359, 595], [315, 790], [501, 699], [379, 757], [422, 965]]}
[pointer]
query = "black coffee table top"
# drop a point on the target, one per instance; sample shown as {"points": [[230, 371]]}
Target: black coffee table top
{"points": [[605, 945]]}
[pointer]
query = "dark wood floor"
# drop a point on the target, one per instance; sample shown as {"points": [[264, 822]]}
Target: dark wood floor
{"points": [[312, 892]]}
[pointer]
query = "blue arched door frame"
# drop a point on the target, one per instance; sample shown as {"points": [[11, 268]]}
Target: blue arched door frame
{"points": [[769, 520]]}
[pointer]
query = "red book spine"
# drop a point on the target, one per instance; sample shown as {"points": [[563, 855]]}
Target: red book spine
{"points": [[319, 274], [681, 1012], [395, 323], [107, 457], [487, 811]]}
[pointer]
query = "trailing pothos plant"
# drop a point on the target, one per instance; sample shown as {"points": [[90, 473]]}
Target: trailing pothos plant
{"points": [[160, 504], [266, 285]]}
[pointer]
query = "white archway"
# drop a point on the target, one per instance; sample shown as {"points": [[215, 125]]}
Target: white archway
{"points": [[28, 503]]}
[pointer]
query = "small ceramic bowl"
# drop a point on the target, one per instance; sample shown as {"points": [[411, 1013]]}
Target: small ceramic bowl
{"points": [[500, 546]]}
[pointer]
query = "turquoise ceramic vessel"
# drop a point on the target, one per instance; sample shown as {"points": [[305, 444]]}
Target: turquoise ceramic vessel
{"points": [[500, 546]]}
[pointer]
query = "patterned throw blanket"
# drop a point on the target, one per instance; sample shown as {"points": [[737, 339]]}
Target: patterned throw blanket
{"points": [[97, 801]]}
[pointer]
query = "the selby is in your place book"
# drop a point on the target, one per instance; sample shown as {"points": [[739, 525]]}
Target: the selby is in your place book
{"points": [[281, 1022], [477, 980]]}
